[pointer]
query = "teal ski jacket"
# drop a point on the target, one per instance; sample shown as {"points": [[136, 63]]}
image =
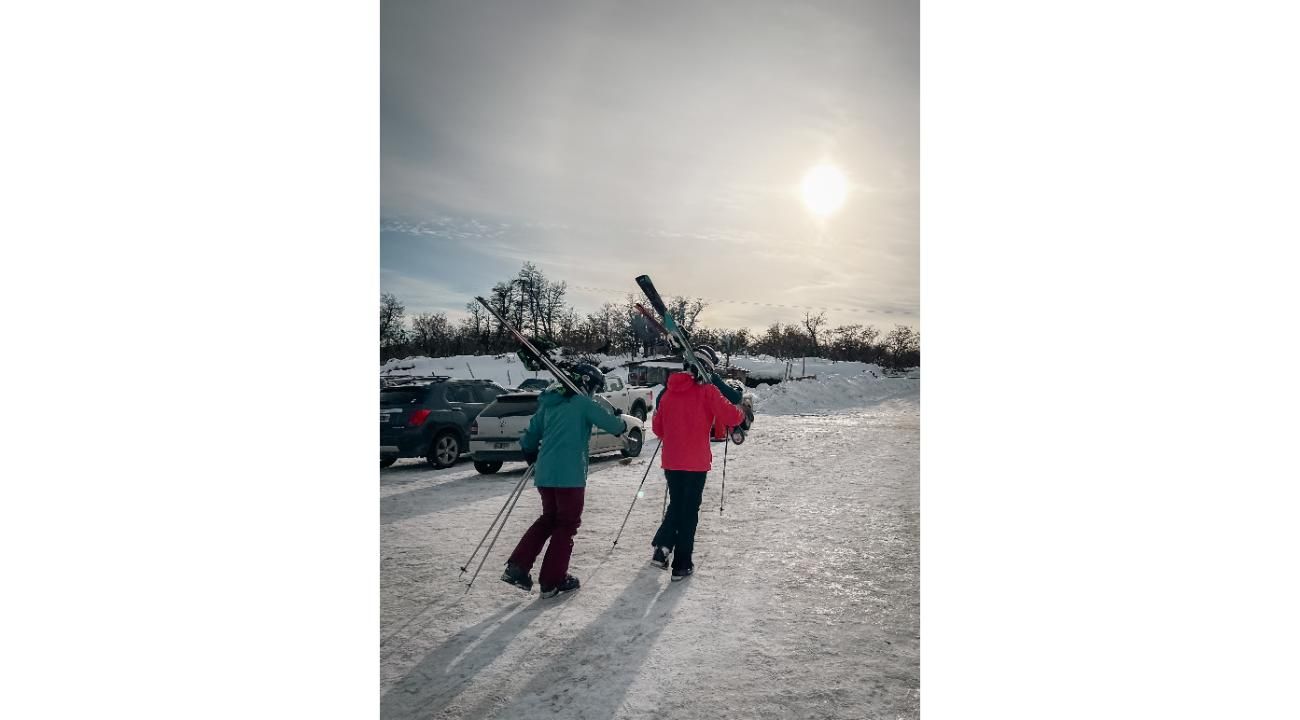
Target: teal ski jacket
{"points": [[562, 427]]}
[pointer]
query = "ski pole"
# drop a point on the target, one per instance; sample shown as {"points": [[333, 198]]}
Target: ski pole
{"points": [[723, 501], [494, 539], [638, 494], [515, 491]]}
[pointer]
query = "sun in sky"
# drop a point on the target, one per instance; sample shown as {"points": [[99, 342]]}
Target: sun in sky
{"points": [[824, 188]]}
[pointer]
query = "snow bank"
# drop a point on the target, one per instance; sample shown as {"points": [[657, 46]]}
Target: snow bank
{"points": [[766, 366], [830, 393]]}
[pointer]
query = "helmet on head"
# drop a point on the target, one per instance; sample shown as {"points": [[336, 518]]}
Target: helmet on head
{"points": [[707, 356], [588, 378]]}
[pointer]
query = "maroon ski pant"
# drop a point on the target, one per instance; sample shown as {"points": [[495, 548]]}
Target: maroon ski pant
{"points": [[561, 516]]}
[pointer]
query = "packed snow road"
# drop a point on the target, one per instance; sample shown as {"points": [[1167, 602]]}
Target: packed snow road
{"points": [[805, 601]]}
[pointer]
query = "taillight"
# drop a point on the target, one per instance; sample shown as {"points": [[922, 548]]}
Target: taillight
{"points": [[473, 428], [418, 417]]}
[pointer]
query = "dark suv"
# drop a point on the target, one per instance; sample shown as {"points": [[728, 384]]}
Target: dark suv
{"points": [[429, 417]]}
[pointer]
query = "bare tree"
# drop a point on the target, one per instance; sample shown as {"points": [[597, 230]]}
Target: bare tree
{"points": [[532, 287], [391, 312], [552, 306], [811, 323], [475, 327], [903, 345], [431, 332], [685, 311], [500, 297]]}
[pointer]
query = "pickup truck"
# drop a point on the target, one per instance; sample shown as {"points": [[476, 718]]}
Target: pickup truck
{"points": [[635, 401]]}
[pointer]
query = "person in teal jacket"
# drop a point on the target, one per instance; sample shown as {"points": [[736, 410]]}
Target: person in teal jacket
{"points": [[557, 443]]}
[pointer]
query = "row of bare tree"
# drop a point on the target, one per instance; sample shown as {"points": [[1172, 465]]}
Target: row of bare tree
{"points": [[537, 305]]}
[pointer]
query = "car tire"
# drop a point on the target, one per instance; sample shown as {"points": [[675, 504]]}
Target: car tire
{"points": [[635, 441], [487, 468], [638, 411], [386, 462], [444, 450]]}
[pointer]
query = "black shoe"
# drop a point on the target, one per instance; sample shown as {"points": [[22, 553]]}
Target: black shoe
{"points": [[660, 558], [517, 577], [570, 583], [682, 573]]}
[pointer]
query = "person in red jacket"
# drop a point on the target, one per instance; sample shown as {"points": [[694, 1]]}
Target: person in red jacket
{"points": [[687, 410]]}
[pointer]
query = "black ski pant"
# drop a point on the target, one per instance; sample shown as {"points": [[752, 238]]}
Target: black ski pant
{"points": [[677, 533]]}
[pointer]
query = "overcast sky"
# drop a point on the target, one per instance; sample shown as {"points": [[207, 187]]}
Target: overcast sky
{"points": [[603, 140]]}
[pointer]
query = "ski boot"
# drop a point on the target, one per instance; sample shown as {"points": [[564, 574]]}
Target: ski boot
{"points": [[569, 584], [660, 559], [517, 577], [683, 573]]}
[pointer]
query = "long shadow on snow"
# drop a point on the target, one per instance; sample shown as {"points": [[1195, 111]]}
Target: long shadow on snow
{"points": [[591, 674], [443, 674], [461, 491]]}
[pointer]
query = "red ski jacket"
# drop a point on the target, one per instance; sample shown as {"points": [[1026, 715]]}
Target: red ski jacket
{"points": [[683, 418]]}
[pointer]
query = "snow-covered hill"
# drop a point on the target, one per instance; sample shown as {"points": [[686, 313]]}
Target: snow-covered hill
{"points": [[830, 393]]}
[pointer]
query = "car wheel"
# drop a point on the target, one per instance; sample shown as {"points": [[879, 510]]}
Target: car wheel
{"points": [[638, 412], [633, 443], [444, 451], [386, 462], [487, 468]]}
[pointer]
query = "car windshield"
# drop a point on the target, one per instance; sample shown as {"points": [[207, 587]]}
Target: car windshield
{"points": [[511, 406]]}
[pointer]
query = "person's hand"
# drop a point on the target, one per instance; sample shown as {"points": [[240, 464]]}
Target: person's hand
{"points": [[530, 456]]}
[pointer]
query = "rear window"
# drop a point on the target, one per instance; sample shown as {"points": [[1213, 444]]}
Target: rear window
{"points": [[511, 406], [412, 396]]}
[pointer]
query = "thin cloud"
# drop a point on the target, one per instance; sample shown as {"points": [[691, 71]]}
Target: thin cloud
{"points": [[602, 141]]}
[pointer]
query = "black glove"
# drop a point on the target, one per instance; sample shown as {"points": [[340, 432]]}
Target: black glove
{"points": [[530, 456]]}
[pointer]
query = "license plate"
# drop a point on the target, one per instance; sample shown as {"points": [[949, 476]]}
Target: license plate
{"points": [[500, 446]]}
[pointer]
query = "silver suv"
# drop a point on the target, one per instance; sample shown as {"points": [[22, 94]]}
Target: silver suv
{"points": [[494, 434]]}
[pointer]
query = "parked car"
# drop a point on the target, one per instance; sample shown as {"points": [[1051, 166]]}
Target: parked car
{"points": [[494, 435], [430, 417], [535, 384]]}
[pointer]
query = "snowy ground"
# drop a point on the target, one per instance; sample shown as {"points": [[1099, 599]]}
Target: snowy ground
{"points": [[805, 603]]}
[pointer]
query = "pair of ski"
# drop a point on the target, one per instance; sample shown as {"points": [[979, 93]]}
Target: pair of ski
{"points": [[532, 350], [677, 337], [669, 327]]}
